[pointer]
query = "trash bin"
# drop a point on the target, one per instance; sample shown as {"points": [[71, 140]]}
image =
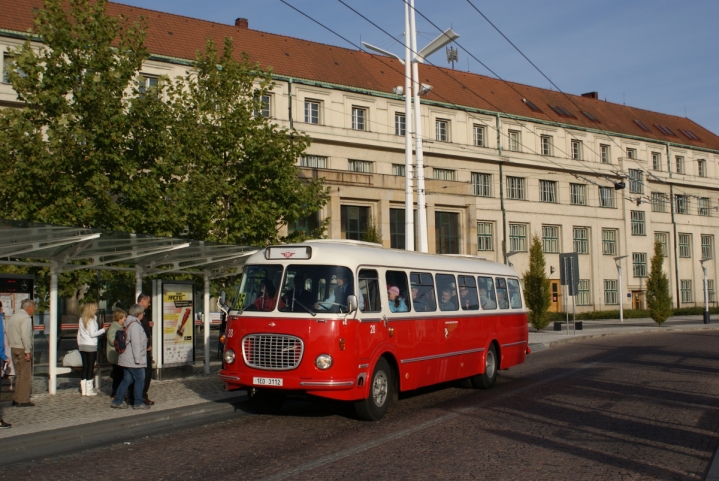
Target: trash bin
{"points": [[578, 325], [557, 326]]}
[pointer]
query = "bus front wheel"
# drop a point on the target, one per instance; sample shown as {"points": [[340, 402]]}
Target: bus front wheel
{"points": [[380, 393], [266, 401], [487, 378]]}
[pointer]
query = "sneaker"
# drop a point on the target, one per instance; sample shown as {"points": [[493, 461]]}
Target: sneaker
{"points": [[140, 406], [4, 425], [118, 406]]}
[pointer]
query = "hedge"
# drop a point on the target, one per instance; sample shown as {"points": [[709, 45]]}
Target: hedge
{"points": [[628, 314]]}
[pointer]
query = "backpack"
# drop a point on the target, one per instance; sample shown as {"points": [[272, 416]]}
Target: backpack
{"points": [[120, 341]]}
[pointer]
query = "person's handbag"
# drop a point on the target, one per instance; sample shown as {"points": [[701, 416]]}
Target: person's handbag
{"points": [[72, 359]]}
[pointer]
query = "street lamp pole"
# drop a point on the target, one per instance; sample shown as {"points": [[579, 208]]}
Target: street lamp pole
{"points": [[706, 292], [619, 282], [408, 173]]}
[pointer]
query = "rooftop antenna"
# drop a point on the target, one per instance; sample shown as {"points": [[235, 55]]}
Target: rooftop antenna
{"points": [[452, 55]]}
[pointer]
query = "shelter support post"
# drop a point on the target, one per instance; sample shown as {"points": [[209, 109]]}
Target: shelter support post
{"points": [[52, 348], [138, 283], [206, 322]]}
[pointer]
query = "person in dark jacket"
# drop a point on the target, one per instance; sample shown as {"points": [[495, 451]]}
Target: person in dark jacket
{"points": [[4, 358], [147, 325]]}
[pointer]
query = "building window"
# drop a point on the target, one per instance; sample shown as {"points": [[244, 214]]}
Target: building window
{"points": [[482, 184], [304, 224], [546, 144], [398, 169], [581, 240], [517, 237], [443, 174], [685, 245], [515, 188], [9, 65], [702, 167], [515, 140], [399, 124], [638, 225], [656, 161], [441, 130], [578, 194], [636, 181], [485, 241], [397, 229], [359, 118], [631, 153], [663, 239], [147, 82], [550, 239], [479, 136], [547, 191], [364, 166], [606, 197], [707, 247], [577, 149], [639, 264], [446, 226], [354, 221], [681, 204], [583, 297], [610, 292], [312, 112], [659, 202], [314, 161], [686, 288], [609, 242], [704, 205], [710, 288], [604, 153], [680, 164]]}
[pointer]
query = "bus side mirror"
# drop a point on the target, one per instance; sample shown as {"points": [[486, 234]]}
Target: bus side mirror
{"points": [[352, 303]]}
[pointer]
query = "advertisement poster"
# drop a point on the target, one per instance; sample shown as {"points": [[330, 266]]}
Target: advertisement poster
{"points": [[177, 325], [13, 290]]}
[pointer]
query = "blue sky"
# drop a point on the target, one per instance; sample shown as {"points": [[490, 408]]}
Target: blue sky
{"points": [[658, 55]]}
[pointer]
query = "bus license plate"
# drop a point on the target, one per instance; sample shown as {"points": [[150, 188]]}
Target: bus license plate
{"points": [[266, 381]]}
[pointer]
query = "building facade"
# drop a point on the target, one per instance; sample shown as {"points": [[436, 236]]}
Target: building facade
{"points": [[502, 161]]}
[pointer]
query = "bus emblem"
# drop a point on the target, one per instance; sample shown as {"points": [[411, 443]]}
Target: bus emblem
{"points": [[287, 255], [272, 324]]}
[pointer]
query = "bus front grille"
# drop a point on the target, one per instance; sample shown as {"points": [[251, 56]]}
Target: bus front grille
{"points": [[272, 351]]}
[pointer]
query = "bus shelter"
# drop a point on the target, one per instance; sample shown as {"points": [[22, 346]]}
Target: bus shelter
{"points": [[64, 249]]}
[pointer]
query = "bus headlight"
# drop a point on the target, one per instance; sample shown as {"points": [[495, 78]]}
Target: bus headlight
{"points": [[229, 356], [323, 361]]}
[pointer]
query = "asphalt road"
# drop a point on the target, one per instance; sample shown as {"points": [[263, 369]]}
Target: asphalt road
{"points": [[642, 406]]}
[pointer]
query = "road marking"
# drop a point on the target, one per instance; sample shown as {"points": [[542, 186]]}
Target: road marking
{"points": [[330, 458]]}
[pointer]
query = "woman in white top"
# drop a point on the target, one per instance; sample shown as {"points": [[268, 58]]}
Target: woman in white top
{"points": [[87, 333]]}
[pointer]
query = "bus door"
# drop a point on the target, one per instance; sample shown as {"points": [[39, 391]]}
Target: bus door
{"points": [[372, 328], [471, 329], [426, 329], [451, 328]]}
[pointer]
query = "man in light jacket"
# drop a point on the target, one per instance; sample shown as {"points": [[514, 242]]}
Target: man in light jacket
{"points": [[19, 332], [133, 359]]}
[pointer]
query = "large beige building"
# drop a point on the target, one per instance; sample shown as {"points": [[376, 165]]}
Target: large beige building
{"points": [[503, 161]]}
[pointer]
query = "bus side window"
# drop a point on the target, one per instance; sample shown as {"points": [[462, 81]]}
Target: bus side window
{"points": [[369, 298], [487, 299], [447, 288], [423, 297], [397, 280], [515, 299], [502, 298], [468, 293]]}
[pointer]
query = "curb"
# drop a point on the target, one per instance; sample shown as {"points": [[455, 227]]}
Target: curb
{"points": [[28, 447]]}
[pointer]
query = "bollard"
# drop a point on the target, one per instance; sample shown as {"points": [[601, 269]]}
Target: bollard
{"points": [[557, 326]]}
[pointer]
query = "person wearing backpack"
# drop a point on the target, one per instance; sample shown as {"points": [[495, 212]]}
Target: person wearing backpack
{"points": [[118, 324], [133, 359], [88, 331]]}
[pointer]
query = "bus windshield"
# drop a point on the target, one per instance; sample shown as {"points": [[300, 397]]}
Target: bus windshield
{"points": [[313, 288], [259, 288]]}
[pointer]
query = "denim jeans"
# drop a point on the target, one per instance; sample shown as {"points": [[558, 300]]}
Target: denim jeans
{"points": [[136, 375]]}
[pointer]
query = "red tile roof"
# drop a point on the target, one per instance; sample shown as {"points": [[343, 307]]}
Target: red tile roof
{"points": [[181, 37]]}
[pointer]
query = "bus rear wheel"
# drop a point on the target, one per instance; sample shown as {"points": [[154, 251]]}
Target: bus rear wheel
{"points": [[487, 378], [266, 401], [380, 393]]}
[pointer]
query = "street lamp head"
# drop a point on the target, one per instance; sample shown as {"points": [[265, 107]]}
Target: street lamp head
{"points": [[619, 258], [382, 51], [702, 261], [399, 90], [424, 89]]}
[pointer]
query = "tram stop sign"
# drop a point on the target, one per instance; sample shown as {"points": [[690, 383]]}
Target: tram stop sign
{"points": [[569, 272]]}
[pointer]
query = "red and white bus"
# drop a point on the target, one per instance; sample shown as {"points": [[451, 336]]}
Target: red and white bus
{"points": [[353, 321]]}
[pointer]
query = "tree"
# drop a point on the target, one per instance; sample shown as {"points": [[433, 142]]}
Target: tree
{"points": [[536, 286], [659, 301], [373, 233]]}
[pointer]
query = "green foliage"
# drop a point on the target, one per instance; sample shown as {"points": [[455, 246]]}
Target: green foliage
{"points": [[659, 301], [373, 233], [536, 286]]}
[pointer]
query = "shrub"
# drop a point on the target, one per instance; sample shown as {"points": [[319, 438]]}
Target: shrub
{"points": [[536, 286]]}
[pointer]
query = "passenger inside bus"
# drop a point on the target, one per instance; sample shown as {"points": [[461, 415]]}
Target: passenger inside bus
{"points": [[299, 298], [446, 303], [515, 299], [486, 293], [396, 303], [423, 292], [267, 297], [447, 292], [468, 298], [337, 301], [502, 299]]}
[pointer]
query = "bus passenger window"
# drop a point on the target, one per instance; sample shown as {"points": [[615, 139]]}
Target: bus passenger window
{"points": [[502, 298], [468, 293], [397, 291], [486, 293], [423, 292], [515, 299], [447, 288], [369, 299]]}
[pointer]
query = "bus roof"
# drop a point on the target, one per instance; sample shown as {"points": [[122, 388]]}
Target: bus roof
{"points": [[354, 254]]}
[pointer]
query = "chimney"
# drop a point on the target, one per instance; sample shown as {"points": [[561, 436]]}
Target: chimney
{"points": [[242, 23], [591, 95]]}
